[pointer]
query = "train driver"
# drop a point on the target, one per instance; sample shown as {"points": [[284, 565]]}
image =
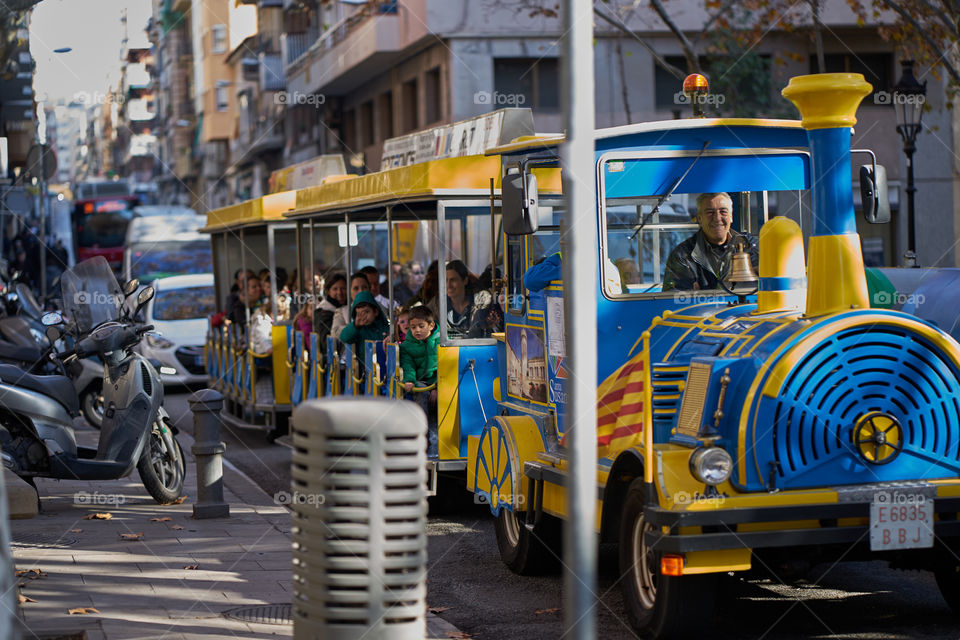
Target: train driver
{"points": [[699, 261]]}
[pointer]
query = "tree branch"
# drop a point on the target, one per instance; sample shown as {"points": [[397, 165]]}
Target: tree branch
{"points": [[656, 56], [923, 33], [689, 51]]}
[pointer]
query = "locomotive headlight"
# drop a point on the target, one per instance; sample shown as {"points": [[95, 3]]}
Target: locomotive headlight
{"points": [[711, 465]]}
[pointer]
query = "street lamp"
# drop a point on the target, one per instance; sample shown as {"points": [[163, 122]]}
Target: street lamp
{"points": [[908, 99]]}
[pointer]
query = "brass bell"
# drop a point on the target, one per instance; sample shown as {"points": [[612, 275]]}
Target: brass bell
{"points": [[740, 268]]}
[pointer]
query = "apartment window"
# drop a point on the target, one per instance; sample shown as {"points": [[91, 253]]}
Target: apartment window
{"points": [[526, 82], [385, 114], [877, 68], [222, 98], [219, 38], [409, 106], [433, 98], [366, 124], [350, 129]]}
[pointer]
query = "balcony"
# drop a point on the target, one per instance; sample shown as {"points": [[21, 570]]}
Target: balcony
{"points": [[294, 45], [271, 72], [349, 53]]}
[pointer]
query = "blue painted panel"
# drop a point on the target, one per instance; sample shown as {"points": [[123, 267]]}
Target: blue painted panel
{"points": [[350, 370], [477, 403], [393, 364], [296, 389], [333, 366], [655, 176], [312, 388]]}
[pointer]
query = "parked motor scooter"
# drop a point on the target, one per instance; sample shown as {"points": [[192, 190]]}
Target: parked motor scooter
{"points": [[22, 340], [36, 412]]}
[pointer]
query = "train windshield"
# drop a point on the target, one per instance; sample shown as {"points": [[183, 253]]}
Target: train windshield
{"points": [[641, 227]]}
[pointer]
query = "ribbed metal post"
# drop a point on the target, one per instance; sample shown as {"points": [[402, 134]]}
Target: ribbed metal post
{"points": [[206, 405], [359, 520], [580, 285]]}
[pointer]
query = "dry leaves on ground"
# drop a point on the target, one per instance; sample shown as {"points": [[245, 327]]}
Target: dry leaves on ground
{"points": [[542, 611], [97, 516], [76, 530], [22, 598], [131, 536], [191, 567], [33, 574], [438, 609], [165, 519], [177, 527], [460, 635], [82, 610], [178, 500]]}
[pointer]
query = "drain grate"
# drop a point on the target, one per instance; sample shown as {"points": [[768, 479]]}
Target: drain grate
{"points": [[262, 613], [41, 540]]}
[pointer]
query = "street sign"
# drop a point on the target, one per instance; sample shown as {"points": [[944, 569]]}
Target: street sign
{"points": [[41, 161]]}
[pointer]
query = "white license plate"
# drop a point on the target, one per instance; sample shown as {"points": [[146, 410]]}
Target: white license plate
{"points": [[900, 521]]}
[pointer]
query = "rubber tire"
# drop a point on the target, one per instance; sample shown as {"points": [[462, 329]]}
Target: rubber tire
{"points": [[158, 490], [87, 401], [528, 553], [665, 606], [947, 575]]}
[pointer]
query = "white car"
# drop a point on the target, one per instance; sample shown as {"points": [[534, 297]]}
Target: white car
{"points": [[179, 312]]}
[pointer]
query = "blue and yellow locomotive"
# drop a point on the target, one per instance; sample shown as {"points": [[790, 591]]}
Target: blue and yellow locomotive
{"points": [[731, 427]]}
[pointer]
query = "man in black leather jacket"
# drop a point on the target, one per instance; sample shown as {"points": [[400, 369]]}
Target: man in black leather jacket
{"points": [[697, 262]]}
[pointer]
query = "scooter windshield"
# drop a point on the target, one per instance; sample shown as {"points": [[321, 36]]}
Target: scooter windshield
{"points": [[91, 294]]}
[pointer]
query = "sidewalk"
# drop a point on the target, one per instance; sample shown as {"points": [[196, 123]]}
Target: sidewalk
{"points": [[174, 581]]}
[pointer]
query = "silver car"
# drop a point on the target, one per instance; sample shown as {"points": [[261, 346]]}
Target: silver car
{"points": [[179, 313]]}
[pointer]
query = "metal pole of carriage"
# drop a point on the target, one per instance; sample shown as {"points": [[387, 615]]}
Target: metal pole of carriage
{"points": [[580, 284]]}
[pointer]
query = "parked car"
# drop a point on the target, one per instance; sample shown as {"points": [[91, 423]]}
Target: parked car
{"points": [[179, 312]]}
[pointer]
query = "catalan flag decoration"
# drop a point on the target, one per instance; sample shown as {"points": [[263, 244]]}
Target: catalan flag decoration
{"points": [[620, 404]]}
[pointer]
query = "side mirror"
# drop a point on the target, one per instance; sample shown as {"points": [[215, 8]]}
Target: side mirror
{"points": [[130, 287], [520, 204], [51, 319], [873, 194], [145, 296]]}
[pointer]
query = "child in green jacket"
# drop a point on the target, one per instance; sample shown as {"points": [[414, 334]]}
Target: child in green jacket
{"points": [[418, 358], [368, 322]]}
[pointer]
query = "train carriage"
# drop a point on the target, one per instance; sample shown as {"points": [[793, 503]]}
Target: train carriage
{"points": [[443, 209], [256, 386]]}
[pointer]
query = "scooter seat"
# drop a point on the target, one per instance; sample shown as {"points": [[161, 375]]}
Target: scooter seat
{"points": [[60, 388], [19, 353]]}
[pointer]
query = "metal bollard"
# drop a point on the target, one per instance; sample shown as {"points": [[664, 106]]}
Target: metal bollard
{"points": [[359, 520], [208, 449]]}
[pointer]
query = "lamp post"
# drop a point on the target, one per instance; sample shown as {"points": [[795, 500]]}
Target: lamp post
{"points": [[908, 98]]}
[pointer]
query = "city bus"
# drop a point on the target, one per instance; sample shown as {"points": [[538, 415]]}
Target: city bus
{"points": [[163, 241], [101, 213]]}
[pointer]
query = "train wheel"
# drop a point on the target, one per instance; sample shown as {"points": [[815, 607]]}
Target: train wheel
{"points": [[528, 552], [947, 575], [659, 606]]}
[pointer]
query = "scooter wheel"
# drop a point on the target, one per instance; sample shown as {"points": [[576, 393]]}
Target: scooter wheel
{"points": [[91, 404], [162, 470]]}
